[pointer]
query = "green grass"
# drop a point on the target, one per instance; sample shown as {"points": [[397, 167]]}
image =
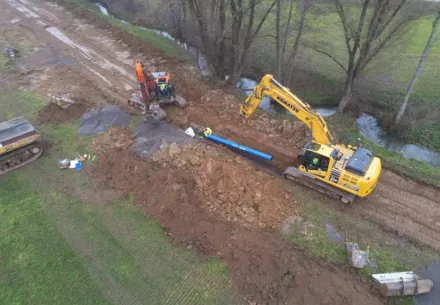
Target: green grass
{"points": [[26, 104], [36, 264], [385, 249]]}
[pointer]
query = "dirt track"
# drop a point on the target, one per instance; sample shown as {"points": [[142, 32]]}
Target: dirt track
{"points": [[61, 54]]}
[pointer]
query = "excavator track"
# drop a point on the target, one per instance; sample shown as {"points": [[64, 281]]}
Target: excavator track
{"points": [[20, 157], [295, 175]]}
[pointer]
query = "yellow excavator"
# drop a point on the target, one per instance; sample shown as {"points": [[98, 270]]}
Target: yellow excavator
{"points": [[19, 144], [339, 170]]}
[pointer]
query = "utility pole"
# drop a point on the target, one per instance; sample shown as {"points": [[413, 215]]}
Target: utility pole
{"points": [[418, 70]]}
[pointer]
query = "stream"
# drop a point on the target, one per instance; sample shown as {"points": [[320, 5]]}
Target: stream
{"points": [[369, 126]]}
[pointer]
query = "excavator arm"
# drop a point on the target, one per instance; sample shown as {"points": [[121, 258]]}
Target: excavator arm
{"points": [[270, 87]]}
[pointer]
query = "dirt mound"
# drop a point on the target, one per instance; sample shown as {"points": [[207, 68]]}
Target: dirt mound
{"points": [[231, 188], [227, 107], [116, 138], [174, 188], [53, 114]]}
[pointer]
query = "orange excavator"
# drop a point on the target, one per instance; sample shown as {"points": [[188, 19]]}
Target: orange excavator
{"points": [[156, 90]]}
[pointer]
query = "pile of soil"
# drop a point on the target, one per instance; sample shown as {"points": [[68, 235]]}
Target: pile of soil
{"points": [[116, 138], [226, 107], [231, 188], [174, 188], [53, 114]]}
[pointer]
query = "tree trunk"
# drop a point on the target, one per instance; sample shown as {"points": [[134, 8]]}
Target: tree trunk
{"points": [[302, 21], [280, 59], [418, 70], [348, 94]]}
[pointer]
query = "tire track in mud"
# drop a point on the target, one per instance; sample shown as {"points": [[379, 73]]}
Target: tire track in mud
{"points": [[396, 206]]}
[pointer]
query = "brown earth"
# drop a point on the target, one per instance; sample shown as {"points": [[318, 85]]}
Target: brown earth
{"points": [[53, 114], [200, 211]]}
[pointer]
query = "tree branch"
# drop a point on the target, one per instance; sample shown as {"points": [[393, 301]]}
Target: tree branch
{"points": [[330, 56]]}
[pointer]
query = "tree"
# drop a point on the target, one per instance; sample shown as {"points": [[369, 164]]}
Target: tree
{"points": [[283, 37], [306, 5], [418, 70], [227, 30], [367, 33]]}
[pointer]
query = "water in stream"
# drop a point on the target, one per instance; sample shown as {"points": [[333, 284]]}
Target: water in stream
{"points": [[370, 128], [247, 85]]}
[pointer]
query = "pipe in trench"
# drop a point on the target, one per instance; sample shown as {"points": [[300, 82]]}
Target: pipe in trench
{"points": [[240, 147]]}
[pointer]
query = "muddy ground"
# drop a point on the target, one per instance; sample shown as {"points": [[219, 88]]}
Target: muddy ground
{"points": [[220, 204], [88, 57]]}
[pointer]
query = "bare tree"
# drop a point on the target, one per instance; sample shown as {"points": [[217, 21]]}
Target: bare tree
{"points": [[279, 38], [366, 33], [282, 37], [418, 70], [306, 5], [227, 30]]}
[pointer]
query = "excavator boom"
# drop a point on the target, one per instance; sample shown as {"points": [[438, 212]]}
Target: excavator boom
{"points": [[303, 111]]}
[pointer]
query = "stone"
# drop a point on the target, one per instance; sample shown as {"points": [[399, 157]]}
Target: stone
{"points": [[210, 166], [194, 160], [221, 197], [173, 150], [233, 197], [258, 195]]}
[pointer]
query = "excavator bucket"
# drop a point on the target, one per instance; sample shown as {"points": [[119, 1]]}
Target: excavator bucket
{"points": [[155, 113]]}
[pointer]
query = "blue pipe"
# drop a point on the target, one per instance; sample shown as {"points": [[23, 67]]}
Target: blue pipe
{"points": [[241, 147]]}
